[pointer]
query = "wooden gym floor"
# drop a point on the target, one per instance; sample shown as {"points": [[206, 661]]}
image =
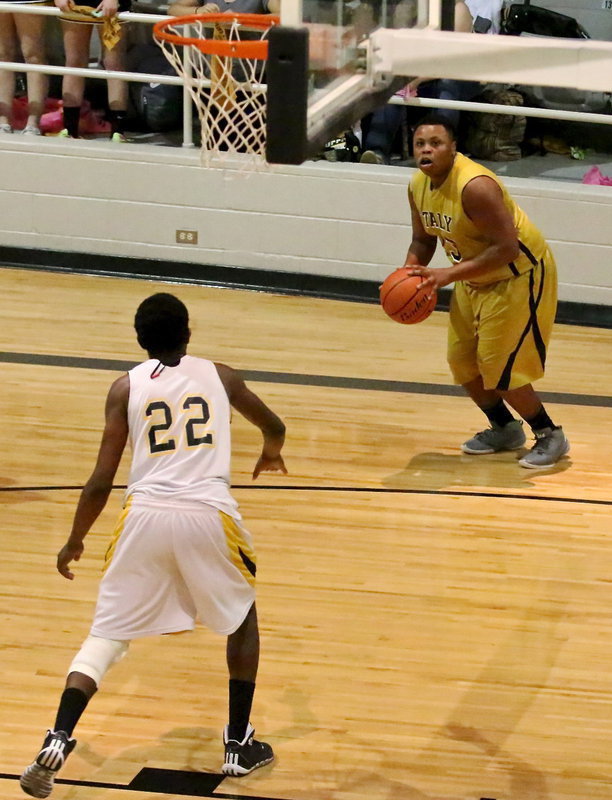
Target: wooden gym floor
{"points": [[435, 626]]}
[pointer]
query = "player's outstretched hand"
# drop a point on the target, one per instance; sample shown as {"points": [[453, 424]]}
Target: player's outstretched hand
{"points": [[69, 552], [267, 464]]}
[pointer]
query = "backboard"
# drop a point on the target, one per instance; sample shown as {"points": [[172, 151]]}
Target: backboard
{"points": [[332, 61], [319, 68]]}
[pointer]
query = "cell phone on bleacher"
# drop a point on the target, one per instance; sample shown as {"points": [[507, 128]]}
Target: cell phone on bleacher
{"points": [[481, 25]]}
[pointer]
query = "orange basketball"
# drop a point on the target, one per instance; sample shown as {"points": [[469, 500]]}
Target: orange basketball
{"points": [[403, 301]]}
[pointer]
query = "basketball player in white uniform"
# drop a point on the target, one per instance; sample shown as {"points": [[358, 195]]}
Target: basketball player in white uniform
{"points": [[179, 551]]}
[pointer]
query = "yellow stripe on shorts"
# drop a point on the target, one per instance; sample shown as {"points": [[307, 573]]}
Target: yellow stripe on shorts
{"points": [[242, 555], [110, 550]]}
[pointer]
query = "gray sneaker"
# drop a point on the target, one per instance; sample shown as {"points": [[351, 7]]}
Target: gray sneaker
{"points": [[550, 445], [496, 438]]}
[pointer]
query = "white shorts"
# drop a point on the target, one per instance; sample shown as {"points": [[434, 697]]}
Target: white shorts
{"points": [[168, 565]]}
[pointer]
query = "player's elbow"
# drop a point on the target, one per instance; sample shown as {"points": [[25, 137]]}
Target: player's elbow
{"points": [[98, 487], [511, 250], [280, 429], [424, 240], [275, 429]]}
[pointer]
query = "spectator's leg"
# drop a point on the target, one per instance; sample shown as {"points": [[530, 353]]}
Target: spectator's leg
{"points": [[115, 59], [449, 89], [430, 90], [77, 38], [8, 52], [382, 129], [31, 30]]}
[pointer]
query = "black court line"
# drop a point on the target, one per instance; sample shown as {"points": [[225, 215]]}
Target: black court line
{"points": [[300, 379], [95, 784], [352, 490], [163, 781], [327, 287]]}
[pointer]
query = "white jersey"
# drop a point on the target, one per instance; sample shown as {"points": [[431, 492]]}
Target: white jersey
{"points": [[179, 423]]}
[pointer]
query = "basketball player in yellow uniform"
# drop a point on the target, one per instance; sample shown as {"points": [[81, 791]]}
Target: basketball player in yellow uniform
{"points": [[179, 551], [505, 291]]}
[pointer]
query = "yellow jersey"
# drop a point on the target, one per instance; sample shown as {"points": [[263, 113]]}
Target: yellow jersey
{"points": [[442, 215]]}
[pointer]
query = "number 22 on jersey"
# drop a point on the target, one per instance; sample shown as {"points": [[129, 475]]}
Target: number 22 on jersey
{"points": [[194, 414]]}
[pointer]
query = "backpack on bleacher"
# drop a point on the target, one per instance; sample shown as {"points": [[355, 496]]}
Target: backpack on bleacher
{"points": [[158, 105], [496, 137]]}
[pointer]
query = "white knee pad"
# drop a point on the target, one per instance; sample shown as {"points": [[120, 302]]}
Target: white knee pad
{"points": [[97, 656]]}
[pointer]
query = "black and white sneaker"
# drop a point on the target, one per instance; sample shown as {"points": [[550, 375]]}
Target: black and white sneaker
{"points": [[37, 779], [245, 756]]}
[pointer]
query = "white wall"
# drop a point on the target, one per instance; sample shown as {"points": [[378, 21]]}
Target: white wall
{"points": [[345, 220]]}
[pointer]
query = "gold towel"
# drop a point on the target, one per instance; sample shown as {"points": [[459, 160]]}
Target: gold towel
{"points": [[111, 27], [223, 86]]}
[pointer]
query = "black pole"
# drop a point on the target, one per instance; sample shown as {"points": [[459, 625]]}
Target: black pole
{"points": [[287, 97], [447, 16]]}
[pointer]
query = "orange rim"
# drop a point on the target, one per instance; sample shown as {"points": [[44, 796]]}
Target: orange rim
{"points": [[218, 47]]}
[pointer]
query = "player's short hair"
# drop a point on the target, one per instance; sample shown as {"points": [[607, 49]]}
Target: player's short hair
{"points": [[161, 323], [438, 119]]}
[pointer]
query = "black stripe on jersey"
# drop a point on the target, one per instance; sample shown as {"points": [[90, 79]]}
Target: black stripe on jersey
{"points": [[513, 269], [533, 305], [532, 324], [524, 249], [250, 565]]}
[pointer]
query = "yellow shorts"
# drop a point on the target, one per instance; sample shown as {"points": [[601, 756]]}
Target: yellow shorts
{"points": [[501, 331]]}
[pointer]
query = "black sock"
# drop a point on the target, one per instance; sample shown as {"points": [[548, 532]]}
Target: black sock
{"points": [[72, 704], [540, 420], [240, 703], [498, 414], [117, 120], [71, 120]]}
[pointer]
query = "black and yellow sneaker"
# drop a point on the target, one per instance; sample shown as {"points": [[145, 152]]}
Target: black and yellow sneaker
{"points": [[245, 756]]}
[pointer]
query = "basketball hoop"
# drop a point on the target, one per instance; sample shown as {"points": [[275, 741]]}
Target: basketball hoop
{"points": [[222, 60]]}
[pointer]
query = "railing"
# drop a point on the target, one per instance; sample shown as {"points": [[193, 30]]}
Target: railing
{"points": [[139, 77], [175, 80], [495, 108]]}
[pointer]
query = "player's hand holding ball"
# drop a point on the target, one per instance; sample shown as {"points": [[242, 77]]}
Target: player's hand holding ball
{"points": [[406, 295], [432, 278]]}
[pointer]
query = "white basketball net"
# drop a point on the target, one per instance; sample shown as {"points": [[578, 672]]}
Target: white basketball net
{"points": [[229, 93]]}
